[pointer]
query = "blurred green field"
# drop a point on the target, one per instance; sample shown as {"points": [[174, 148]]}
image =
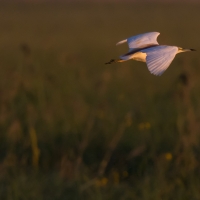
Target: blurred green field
{"points": [[74, 128]]}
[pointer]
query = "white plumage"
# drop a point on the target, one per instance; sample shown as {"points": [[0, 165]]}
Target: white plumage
{"points": [[145, 48], [141, 40], [159, 58]]}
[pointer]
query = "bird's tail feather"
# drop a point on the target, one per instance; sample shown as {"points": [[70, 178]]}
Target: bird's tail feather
{"points": [[121, 42]]}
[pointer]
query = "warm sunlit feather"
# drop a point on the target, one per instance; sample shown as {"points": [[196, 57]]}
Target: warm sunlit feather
{"points": [[145, 48]]}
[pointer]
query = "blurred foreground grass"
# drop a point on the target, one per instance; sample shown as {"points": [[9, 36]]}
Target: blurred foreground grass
{"points": [[73, 128]]}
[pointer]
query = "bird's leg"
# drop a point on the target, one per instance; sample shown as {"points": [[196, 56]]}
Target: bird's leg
{"points": [[115, 61]]}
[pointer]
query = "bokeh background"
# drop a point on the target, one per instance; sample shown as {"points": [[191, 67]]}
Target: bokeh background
{"points": [[74, 128]]}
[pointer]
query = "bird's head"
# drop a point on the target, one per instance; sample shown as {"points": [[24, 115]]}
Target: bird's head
{"points": [[180, 50]]}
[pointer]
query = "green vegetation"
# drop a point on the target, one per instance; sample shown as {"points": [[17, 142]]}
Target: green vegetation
{"points": [[74, 128]]}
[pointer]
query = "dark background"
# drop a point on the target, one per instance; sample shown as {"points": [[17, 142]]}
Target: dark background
{"points": [[74, 128]]}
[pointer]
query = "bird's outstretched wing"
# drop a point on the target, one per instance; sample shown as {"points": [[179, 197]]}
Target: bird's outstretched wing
{"points": [[159, 58], [141, 41]]}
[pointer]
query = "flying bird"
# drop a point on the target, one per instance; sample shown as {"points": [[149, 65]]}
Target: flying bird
{"points": [[145, 48]]}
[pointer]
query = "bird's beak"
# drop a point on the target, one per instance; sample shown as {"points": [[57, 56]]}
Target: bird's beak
{"points": [[184, 50]]}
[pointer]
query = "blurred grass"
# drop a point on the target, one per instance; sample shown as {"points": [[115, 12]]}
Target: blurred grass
{"points": [[73, 128]]}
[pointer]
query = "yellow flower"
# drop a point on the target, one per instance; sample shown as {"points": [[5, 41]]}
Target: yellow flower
{"points": [[144, 126], [168, 156], [147, 125], [141, 126], [101, 182], [104, 181]]}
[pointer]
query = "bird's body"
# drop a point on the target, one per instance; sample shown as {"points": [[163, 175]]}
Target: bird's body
{"points": [[139, 56], [145, 48]]}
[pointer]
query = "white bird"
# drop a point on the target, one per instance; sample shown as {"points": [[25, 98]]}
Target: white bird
{"points": [[145, 48]]}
